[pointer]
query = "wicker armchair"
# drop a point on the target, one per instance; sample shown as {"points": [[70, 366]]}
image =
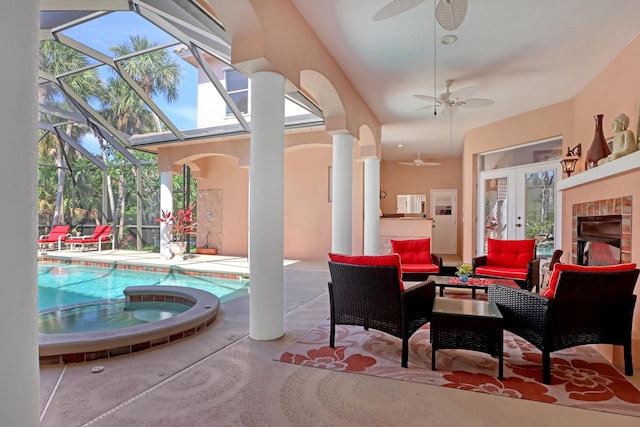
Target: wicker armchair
{"points": [[587, 308], [371, 296]]}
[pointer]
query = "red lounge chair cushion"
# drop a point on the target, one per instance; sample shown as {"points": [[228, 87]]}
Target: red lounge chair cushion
{"points": [[390, 260], [510, 253], [56, 232], [558, 268], [416, 251], [100, 230]]}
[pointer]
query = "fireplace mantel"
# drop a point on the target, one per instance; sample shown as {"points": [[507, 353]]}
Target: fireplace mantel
{"points": [[622, 165]]}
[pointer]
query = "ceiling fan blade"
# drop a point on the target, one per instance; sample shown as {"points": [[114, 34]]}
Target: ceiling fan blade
{"points": [[475, 103], [428, 98], [407, 163], [428, 164], [451, 13], [394, 8], [464, 93]]}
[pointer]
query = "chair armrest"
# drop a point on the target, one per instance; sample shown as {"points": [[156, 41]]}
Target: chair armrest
{"points": [[44, 236], [520, 308], [436, 260], [478, 262], [418, 299]]}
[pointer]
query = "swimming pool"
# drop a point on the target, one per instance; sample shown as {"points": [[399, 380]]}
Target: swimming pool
{"points": [[67, 284]]}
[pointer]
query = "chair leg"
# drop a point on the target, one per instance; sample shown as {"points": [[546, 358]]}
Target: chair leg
{"points": [[628, 360], [332, 334], [405, 352], [546, 367]]}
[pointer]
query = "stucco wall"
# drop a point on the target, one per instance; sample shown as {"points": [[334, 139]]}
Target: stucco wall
{"points": [[405, 179], [616, 89]]}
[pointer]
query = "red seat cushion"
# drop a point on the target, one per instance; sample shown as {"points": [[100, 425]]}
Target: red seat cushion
{"points": [[510, 253], [420, 268], [504, 272], [558, 268], [413, 251], [382, 260]]}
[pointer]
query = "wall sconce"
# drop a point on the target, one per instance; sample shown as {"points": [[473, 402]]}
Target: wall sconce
{"points": [[569, 162]]}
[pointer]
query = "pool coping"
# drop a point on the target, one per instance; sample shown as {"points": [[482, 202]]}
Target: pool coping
{"points": [[139, 265], [89, 346]]}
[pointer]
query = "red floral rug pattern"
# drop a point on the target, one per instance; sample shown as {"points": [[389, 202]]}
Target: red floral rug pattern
{"points": [[581, 377]]}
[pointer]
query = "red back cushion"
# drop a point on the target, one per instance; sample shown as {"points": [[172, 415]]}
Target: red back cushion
{"points": [[553, 280], [59, 230], [417, 251], [100, 230], [383, 260], [510, 253]]}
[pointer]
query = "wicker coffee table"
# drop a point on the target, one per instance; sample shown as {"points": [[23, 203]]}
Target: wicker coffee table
{"points": [[467, 324], [474, 283]]}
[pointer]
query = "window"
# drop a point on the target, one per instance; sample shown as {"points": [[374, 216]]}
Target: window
{"points": [[238, 89]]}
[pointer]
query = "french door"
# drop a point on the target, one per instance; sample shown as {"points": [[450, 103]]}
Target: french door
{"points": [[520, 203]]}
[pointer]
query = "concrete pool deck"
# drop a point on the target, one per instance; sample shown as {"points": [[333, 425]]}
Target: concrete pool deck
{"points": [[222, 377], [194, 262]]}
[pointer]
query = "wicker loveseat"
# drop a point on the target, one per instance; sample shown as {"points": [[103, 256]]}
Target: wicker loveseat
{"points": [[373, 296], [588, 305]]}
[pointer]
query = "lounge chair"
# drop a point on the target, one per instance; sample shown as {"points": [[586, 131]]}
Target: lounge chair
{"points": [[58, 234], [101, 235]]}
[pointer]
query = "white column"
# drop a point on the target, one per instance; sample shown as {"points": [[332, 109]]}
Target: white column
{"points": [[266, 207], [342, 193], [372, 206], [166, 204], [19, 367]]}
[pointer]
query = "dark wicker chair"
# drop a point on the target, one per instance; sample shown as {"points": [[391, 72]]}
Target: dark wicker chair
{"points": [[588, 308], [370, 296], [500, 255]]}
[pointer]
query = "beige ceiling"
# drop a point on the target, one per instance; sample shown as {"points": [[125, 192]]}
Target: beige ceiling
{"points": [[522, 54]]}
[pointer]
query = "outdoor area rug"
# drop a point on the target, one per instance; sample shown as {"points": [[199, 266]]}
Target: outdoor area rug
{"points": [[581, 376]]}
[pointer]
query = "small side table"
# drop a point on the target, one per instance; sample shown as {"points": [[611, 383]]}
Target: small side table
{"points": [[467, 324]]}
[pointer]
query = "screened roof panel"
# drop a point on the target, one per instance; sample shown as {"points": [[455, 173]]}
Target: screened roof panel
{"points": [[134, 71]]}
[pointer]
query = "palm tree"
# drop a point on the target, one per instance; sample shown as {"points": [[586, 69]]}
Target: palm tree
{"points": [[56, 59], [157, 74]]}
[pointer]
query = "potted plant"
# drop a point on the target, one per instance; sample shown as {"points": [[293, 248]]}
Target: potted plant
{"points": [[180, 226], [464, 271]]}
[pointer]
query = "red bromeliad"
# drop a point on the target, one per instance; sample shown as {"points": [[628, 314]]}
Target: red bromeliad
{"points": [[182, 223]]}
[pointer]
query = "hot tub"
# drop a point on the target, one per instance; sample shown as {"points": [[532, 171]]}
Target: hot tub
{"points": [[202, 310]]}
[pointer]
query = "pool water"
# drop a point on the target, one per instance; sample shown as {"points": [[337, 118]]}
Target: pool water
{"points": [[66, 284], [102, 316]]}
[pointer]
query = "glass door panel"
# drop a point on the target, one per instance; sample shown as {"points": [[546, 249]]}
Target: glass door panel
{"points": [[540, 209], [519, 203]]}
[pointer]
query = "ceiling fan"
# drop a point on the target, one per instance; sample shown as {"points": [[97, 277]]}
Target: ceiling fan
{"points": [[450, 101], [449, 13], [419, 162]]}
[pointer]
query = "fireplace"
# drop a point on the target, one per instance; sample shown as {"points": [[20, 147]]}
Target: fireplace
{"points": [[599, 240], [601, 232]]}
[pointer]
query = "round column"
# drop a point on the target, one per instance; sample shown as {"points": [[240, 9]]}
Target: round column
{"points": [[266, 207], [372, 206], [342, 193]]}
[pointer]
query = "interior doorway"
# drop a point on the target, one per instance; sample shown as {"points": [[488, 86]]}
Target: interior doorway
{"points": [[444, 212]]}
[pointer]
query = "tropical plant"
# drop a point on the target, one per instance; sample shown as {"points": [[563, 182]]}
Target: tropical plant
{"points": [[182, 223]]}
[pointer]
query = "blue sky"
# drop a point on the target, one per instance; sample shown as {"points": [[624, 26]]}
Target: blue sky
{"points": [[118, 27]]}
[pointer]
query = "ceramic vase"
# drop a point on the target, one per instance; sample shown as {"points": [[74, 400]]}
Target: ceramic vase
{"points": [[464, 278], [599, 148]]}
